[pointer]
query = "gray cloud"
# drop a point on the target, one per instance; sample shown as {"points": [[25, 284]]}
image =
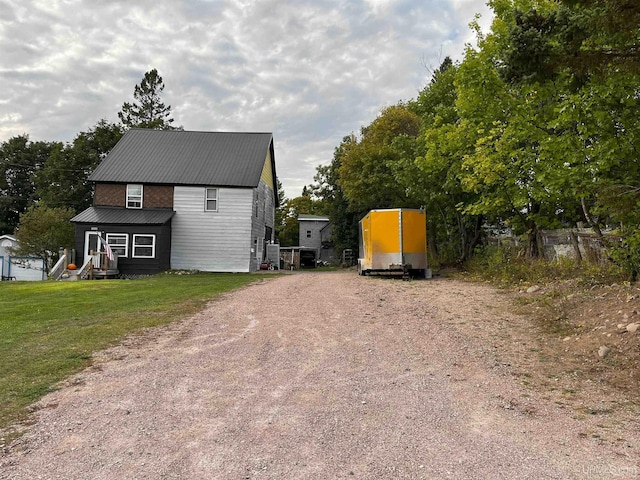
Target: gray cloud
{"points": [[309, 71]]}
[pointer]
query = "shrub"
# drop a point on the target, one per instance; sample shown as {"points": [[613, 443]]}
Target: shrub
{"points": [[508, 266]]}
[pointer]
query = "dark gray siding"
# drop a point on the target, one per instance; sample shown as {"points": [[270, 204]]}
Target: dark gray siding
{"points": [[264, 199], [130, 265]]}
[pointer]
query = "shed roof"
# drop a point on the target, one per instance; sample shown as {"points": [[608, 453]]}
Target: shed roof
{"points": [[179, 157], [317, 218], [124, 216]]}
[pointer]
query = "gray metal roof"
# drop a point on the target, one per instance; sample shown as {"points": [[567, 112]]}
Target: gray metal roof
{"points": [[124, 216], [177, 157]]}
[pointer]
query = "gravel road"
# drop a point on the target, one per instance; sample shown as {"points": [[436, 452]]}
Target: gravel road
{"points": [[317, 376]]}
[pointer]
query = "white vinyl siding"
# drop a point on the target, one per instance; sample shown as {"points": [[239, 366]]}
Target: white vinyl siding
{"points": [[214, 243], [26, 269]]}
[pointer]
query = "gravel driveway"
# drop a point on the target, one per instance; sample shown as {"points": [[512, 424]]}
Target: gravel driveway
{"points": [[316, 376]]}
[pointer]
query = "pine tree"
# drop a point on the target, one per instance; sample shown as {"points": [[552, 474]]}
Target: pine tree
{"points": [[147, 110]]}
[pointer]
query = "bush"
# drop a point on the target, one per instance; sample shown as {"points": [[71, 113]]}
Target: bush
{"points": [[508, 266], [627, 253]]}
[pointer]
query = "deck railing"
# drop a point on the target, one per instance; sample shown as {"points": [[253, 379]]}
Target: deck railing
{"points": [[101, 261], [86, 271], [59, 268]]}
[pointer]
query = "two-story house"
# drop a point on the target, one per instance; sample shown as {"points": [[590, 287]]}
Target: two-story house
{"points": [[167, 199]]}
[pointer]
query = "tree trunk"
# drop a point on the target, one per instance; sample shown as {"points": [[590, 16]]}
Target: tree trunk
{"points": [[535, 247], [589, 218], [472, 241], [576, 246], [462, 233]]}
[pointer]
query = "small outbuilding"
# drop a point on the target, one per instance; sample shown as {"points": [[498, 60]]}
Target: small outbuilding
{"points": [[315, 234], [13, 267]]}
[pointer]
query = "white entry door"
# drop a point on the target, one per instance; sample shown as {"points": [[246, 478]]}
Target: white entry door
{"points": [[91, 243]]}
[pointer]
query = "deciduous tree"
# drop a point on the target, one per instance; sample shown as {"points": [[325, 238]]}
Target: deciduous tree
{"points": [[327, 189], [62, 182], [20, 161], [289, 232], [43, 231], [367, 166]]}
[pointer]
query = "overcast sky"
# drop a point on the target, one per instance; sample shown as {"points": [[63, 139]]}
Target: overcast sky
{"points": [[310, 72]]}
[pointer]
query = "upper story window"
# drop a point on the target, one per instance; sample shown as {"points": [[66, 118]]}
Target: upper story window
{"points": [[211, 199], [134, 196]]}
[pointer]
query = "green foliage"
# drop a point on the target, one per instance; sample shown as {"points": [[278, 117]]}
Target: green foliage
{"points": [[452, 232], [280, 209], [524, 133], [43, 231], [366, 172], [20, 162], [508, 266], [581, 37], [63, 181], [147, 110], [288, 230], [67, 322], [328, 190], [626, 254]]}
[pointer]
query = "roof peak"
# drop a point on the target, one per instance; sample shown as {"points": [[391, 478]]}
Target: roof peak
{"points": [[199, 131]]}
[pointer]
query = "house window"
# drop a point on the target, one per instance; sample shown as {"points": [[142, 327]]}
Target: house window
{"points": [[308, 233], [134, 196], [144, 246], [211, 199], [119, 243]]}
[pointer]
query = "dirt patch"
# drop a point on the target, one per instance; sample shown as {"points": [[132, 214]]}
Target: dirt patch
{"points": [[347, 377], [587, 345]]}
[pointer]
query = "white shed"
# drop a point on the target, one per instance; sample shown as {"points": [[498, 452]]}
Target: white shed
{"points": [[18, 268]]}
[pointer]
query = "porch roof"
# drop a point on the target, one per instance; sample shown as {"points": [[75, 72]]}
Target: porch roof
{"points": [[124, 216]]}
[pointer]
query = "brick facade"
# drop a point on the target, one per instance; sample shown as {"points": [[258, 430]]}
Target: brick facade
{"points": [[115, 195], [109, 195], [157, 196]]}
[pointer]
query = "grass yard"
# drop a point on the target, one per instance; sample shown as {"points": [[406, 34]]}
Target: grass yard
{"points": [[49, 330]]}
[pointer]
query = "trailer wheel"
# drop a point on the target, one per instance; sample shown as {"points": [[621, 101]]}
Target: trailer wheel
{"points": [[418, 273]]}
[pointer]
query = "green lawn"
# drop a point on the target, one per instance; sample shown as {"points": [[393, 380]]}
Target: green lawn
{"points": [[49, 330]]}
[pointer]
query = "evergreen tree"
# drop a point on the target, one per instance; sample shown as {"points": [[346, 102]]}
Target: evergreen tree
{"points": [[147, 110]]}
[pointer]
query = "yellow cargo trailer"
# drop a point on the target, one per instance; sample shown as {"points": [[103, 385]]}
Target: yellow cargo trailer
{"points": [[394, 241]]}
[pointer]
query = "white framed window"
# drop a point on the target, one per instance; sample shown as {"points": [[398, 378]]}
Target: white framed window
{"points": [[211, 199], [144, 246], [308, 233], [119, 243], [134, 196]]}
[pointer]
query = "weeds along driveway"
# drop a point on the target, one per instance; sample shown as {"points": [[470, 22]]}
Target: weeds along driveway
{"points": [[317, 376]]}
